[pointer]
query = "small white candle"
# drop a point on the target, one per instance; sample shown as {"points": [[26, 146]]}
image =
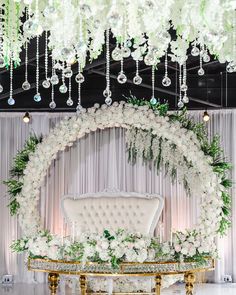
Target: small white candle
{"points": [[161, 232]]}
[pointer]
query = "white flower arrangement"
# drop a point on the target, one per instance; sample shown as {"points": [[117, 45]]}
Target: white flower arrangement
{"points": [[76, 29], [181, 149]]}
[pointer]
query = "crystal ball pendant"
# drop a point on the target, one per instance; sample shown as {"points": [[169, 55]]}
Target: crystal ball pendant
{"points": [[11, 101], [121, 78], [166, 81], [137, 80], [37, 97], [52, 105], [26, 85]]}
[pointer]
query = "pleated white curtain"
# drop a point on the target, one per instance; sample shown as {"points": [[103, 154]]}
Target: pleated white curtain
{"points": [[96, 162]]}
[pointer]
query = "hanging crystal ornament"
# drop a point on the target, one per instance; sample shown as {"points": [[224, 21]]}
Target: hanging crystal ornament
{"points": [[52, 104], [117, 53], [180, 102], [201, 71], [68, 71], [153, 100], [37, 96], [121, 78], [26, 85], [63, 87], [54, 78], [137, 80], [107, 92], [46, 83], [11, 100], [79, 106], [69, 101], [184, 86], [166, 80], [2, 62], [195, 50], [1, 88]]}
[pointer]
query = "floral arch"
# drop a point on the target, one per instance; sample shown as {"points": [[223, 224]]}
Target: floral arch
{"points": [[174, 140]]}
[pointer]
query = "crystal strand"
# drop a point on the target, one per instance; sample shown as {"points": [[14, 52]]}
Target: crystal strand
{"points": [[69, 101], [79, 107], [46, 82], [153, 100], [26, 85], [54, 78], [201, 71], [166, 80], [121, 78], [2, 62], [137, 80], [63, 87], [184, 85], [11, 100], [180, 102], [52, 104], [37, 96], [107, 92]]}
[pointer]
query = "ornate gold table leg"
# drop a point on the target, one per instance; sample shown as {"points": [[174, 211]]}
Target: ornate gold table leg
{"points": [[158, 284], [53, 279], [189, 279], [83, 284]]}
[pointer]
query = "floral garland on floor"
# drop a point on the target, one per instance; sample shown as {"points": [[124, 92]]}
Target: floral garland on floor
{"points": [[176, 142]]}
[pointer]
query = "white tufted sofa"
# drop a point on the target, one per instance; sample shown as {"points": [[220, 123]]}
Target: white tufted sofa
{"points": [[112, 209]]}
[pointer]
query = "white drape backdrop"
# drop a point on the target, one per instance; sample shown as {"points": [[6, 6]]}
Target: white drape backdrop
{"points": [[96, 162]]}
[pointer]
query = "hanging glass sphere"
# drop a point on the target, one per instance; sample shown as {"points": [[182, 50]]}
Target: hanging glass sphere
{"points": [[37, 97], [54, 79], [153, 101], [79, 78], [81, 46], [52, 105], [68, 72], [36, 28], [67, 53], [201, 72], [106, 93], [195, 51], [108, 101], [49, 11], [46, 83], [27, 27], [63, 88], [79, 108], [114, 19], [11, 101], [180, 104], [166, 81], [206, 58], [184, 87], [231, 67], [26, 85], [128, 43], [149, 59], [2, 63], [69, 102], [116, 54], [1, 88], [126, 52], [185, 98], [121, 78], [137, 80]]}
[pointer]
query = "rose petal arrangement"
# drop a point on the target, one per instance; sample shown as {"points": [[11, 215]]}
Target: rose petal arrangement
{"points": [[169, 139]]}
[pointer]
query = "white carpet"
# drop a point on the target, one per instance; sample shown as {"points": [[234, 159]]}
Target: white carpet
{"points": [[201, 289]]}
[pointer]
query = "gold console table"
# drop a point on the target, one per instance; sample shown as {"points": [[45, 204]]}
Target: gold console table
{"points": [[157, 269]]}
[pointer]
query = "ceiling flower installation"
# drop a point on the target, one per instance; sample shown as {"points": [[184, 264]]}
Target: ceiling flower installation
{"points": [[77, 30]]}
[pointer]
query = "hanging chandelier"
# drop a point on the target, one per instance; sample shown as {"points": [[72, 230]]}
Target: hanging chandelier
{"points": [[77, 31]]}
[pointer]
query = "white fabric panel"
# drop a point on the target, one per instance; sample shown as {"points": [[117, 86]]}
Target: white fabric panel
{"points": [[106, 210], [96, 162]]}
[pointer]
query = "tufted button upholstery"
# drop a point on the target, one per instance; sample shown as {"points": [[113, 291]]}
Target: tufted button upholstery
{"points": [[96, 212]]}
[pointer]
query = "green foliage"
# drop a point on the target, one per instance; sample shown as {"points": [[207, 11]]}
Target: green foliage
{"points": [[212, 149], [21, 159]]}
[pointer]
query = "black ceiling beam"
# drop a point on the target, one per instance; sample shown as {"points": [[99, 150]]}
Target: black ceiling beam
{"points": [[203, 64], [207, 103]]}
